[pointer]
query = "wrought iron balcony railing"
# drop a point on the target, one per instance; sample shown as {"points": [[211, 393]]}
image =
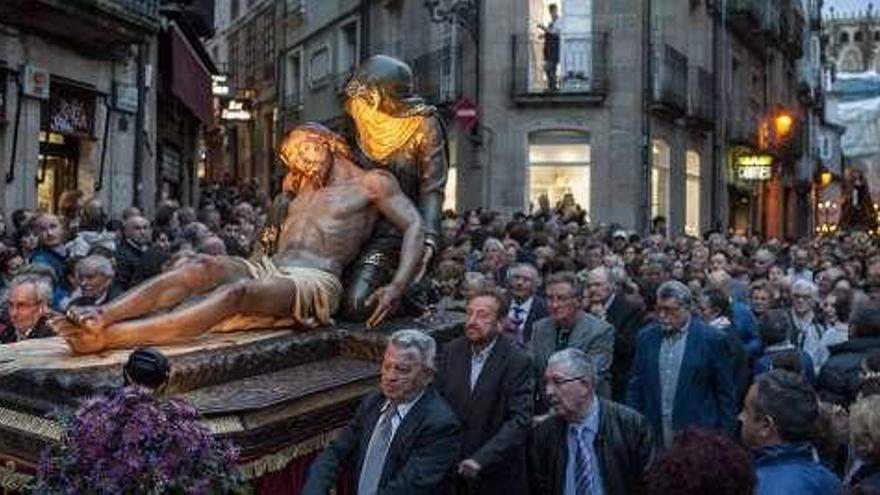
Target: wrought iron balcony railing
{"points": [[670, 69], [576, 65]]}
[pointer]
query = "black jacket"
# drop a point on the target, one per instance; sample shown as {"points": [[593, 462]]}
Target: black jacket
{"points": [[867, 476], [627, 319], [839, 379], [133, 265], [495, 416], [8, 335], [624, 447], [421, 457]]}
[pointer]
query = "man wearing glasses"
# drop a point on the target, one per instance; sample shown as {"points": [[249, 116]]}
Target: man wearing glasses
{"points": [[569, 326], [586, 445], [682, 373]]}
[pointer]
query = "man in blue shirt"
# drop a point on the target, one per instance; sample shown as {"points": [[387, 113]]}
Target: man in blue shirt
{"points": [[777, 421]]}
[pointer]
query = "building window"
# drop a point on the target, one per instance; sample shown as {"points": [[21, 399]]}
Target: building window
{"points": [[559, 165], [349, 50], [319, 65], [693, 192], [844, 37], [269, 45], [660, 179], [233, 9], [293, 80], [859, 37], [250, 50]]}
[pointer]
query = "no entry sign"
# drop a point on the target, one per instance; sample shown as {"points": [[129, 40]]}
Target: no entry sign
{"points": [[466, 113]]}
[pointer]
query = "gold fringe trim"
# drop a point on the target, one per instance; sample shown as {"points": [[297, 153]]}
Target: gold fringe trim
{"points": [[31, 424], [13, 480], [277, 461]]}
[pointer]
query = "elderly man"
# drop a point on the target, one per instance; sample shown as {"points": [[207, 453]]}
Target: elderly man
{"points": [[808, 329], [132, 252], [682, 374], [94, 282], [569, 326], [403, 440], [28, 306], [52, 253], [778, 422], [588, 445], [526, 306], [488, 381], [336, 206], [603, 301]]}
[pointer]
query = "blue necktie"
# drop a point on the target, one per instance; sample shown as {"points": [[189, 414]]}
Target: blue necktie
{"points": [[584, 477]]}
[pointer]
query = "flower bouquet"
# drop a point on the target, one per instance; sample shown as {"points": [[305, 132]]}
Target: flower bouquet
{"points": [[132, 442]]}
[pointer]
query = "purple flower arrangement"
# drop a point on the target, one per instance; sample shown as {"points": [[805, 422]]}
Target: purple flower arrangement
{"points": [[132, 442]]}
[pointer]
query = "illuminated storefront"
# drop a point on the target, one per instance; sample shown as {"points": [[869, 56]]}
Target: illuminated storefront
{"points": [[559, 164]]}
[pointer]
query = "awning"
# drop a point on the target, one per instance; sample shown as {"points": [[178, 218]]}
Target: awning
{"points": [[190, 78]]}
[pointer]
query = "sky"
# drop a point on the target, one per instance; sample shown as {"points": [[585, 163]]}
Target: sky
{"points": [[846, 6]]}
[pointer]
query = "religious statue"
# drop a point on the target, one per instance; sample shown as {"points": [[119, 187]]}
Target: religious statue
{"points": [[396, 131], [328, 222], [857, 208]]}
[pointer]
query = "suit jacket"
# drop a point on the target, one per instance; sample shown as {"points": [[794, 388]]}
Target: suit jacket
{"points": [[627, 319], [706, 392], [589, 334], [624, 447], [495, 416], [537, 311], [419, 460]]}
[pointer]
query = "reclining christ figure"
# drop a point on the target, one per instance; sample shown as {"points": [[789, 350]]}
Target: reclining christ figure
{"points": [[327, 223]]}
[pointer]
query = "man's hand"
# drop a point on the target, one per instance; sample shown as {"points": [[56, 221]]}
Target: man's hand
{"points": [[426, 261], [469, 468], [384, 300]]}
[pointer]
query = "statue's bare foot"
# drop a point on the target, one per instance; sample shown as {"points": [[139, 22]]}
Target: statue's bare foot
{"points": [[82, 340], [90, 317]]}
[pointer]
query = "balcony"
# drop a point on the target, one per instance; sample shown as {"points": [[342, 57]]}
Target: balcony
{"points": [[91, 26], [579, 76], [670, 92], [745, 15], [291, 108], [701, 104]]}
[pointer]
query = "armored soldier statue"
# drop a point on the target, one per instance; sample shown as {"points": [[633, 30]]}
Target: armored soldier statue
{"points": [[396, 131]]}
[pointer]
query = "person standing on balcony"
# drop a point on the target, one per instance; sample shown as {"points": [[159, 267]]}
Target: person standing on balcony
{"points": [[551, 47]]}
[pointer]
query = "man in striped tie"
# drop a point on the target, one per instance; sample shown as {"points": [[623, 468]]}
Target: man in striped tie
{"points": [[586, 445]]}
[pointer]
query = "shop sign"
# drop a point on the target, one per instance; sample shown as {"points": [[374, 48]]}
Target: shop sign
{"points": [[70, 112], [125, 97], [754, 167], [235, 110], [220, 85], [36, 82]]}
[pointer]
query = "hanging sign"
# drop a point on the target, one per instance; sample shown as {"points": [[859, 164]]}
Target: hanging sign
{"points": [[70, 112], [235, 110], [36, 82], [754, 167]]}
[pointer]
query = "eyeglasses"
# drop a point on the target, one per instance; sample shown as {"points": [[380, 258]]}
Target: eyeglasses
{"points": [[562, 381], [559, 297]]}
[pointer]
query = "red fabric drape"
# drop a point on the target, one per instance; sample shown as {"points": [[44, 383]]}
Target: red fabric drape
{"points": [[290, 480]]}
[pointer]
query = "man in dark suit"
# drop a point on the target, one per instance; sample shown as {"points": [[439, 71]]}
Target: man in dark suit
{"points": [[27, 305], [587, 445], [488, 381], [526, 307], [602, 300], [569, 326], [404, 440], [682, 374]]}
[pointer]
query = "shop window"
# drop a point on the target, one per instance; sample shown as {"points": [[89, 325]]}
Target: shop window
{"points": [[693, 192], [449, 200], [293, 81], [660, 179], [559, 164]]}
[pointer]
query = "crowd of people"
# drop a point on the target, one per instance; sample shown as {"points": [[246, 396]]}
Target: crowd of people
{"points": [[595, 359]]}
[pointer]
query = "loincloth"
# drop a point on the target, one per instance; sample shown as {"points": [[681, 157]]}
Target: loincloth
{"points": [[316, 297]]}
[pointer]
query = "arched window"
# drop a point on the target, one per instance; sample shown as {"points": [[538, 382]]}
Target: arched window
{"points": [[876, 35], [844, 37], [859, 37], [660, 179], [559, 164], [693, 190]]}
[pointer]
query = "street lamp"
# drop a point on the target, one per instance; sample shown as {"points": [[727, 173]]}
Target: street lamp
{"points": [[465, 13]]}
